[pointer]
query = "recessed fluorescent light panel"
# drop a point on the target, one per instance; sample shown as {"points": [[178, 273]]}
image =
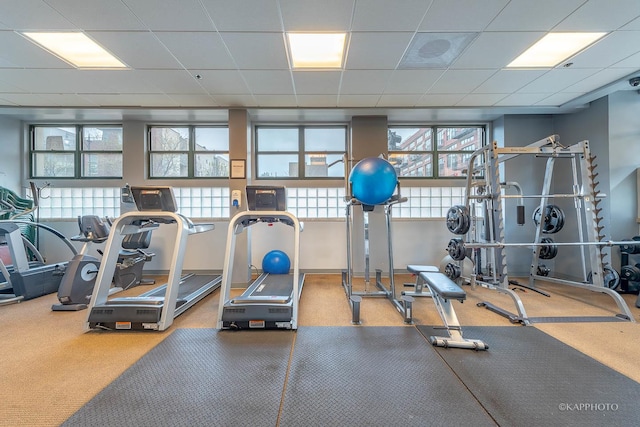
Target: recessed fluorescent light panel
{"points": [[76, 48], [435, 50], [316, 50], [554, 48]]}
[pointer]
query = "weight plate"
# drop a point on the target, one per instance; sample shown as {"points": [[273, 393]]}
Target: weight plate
{"points": [[553, 219], [452, 271], [630, 273], [549, 250], [611, 278], [458, 219], [543, 270], [456, 249]]}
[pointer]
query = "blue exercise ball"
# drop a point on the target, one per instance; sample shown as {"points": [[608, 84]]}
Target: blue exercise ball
{"points": [[276, 262], [373, 180]]}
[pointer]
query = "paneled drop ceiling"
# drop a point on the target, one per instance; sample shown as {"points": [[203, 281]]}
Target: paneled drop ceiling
{"points": [[193, 59]]}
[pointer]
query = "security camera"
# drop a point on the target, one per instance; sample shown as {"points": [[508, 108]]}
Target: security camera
{"points": [[634, 82]]}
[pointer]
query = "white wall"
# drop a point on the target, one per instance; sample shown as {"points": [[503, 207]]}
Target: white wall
{"points": [[12, 164], [322, 245]]}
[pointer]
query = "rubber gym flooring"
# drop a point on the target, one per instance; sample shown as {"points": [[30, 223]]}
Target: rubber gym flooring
{"points": [[363, 376]]}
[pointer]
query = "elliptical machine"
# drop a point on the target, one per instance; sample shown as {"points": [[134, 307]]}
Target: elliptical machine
{"points": [[79, 279]]}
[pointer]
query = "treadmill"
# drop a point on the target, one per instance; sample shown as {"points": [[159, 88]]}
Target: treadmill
{"points": [[270, 301], [155, 309]]}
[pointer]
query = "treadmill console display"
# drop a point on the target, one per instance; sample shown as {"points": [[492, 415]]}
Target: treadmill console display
{"points": [[266, 198], [154, 199]]}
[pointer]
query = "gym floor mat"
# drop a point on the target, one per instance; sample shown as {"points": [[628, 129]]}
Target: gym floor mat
{"points": [[373, 376], [528, 378], [197, 377]]}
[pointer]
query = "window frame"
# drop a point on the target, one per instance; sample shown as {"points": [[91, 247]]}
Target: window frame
{"points": [[191, 151], [78, 152], [300, 153], [440, 158]]}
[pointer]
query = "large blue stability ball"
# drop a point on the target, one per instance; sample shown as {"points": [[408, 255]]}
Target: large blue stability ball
{"points": [[276, 262], [373, 180]]}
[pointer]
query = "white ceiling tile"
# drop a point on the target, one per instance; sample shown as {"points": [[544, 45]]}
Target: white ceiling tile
{"points": [[557, 79], [235, 100], [198, 49], [269, 82], [358, 100], [316, 82], [136, 49], [98, 14], [600, 79], [378, 51], [168, 15], [611, 49], [460, 81], [412, 81], [257, 51], [461, 15], [238, 49], [507, 81], [314, 15], [557, 99], [480, 99], [32, 15], [362, 82], [633, 25], [139, 100], [276, 100], [539, 15], [173, 81], [398, 100], [632, 61], [222, 82], [317, 100], [245, 15], [17, 51], [601, 15], [439, 100], [191, 100], [518, 99], [495, 50], [379, 15]]}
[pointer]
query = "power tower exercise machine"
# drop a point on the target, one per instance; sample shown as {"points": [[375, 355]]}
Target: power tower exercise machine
{"points": [[155, 309], [270, 301]]}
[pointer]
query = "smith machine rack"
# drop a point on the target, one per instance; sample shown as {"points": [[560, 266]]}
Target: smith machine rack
{"points": [[486, 237]]}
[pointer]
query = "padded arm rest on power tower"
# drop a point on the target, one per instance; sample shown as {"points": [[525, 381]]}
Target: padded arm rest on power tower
{"points": [[443, 286]]}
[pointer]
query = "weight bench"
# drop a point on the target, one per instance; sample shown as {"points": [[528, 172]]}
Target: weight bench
{"points": [[443, 290]]}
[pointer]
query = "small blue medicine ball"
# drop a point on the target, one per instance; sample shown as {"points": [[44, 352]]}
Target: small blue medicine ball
{"points": [[373, 180], [276, 262]]}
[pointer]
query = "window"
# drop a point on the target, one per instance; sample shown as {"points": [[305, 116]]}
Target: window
{"points": [[433, 152], [188, 151], [281, 149], [77, 151]]}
